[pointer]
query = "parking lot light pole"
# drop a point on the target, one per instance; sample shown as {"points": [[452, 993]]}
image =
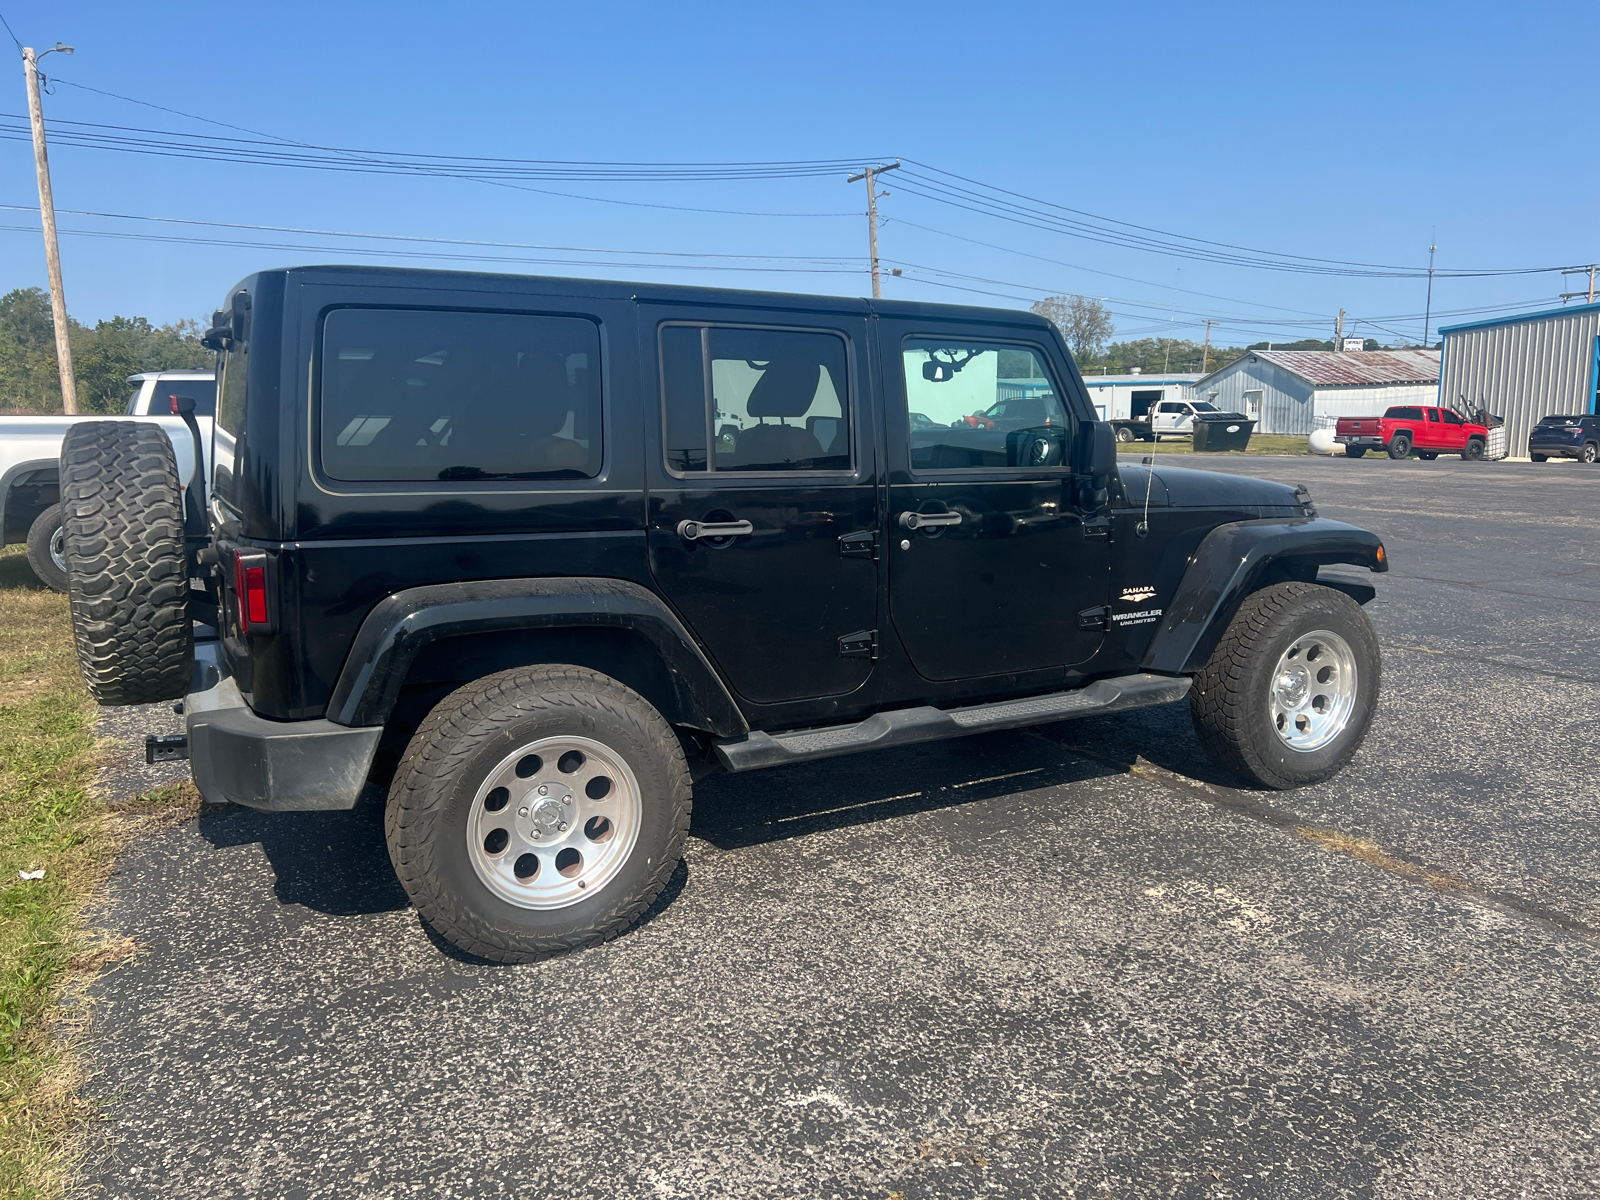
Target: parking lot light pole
{"points": [[47, 212]]}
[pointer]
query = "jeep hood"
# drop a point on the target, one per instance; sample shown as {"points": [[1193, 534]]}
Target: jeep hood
{"points": [[1189, 488]]}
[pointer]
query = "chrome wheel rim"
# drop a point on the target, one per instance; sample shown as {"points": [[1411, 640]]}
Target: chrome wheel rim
{"points": [[1312, 690], [554, 822], [58, 548]]}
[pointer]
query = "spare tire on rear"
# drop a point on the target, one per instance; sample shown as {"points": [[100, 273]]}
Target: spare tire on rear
{"points": [[128, 579]]}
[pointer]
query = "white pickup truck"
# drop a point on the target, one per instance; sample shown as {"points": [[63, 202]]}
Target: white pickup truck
{"points": [[30, 455]]}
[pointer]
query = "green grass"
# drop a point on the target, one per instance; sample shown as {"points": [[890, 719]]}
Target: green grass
{"points": [[49, 819], [1264, 443]]}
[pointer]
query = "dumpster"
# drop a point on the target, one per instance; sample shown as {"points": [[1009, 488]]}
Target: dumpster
{"points": [[1221, 431]]}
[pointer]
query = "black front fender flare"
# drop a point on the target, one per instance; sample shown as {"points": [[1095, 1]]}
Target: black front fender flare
{"points": [[1229, 564], [402, 625]]}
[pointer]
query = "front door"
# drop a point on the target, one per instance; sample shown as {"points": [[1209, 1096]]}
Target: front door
{"points": [[763, 508], [1173, 416], [990, 559]]}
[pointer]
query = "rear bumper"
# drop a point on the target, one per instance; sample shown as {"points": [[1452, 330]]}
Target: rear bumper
{"points": [[274, 766], [1347, 439], [1559, 450]]}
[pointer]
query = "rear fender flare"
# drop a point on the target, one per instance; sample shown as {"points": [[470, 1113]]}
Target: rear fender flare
{"points": [[1230, 563], [402, 625]]}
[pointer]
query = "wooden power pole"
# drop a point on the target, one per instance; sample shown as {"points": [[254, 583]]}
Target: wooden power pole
{"points": [[1205, 354], [47, 212], [871, 175]]}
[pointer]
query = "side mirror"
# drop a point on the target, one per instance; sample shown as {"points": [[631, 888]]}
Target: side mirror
{"points": [[239, 318], [216, 338], [1098, 451]]}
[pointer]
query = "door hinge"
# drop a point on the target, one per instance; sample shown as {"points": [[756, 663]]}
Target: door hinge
{"points": [[861, 544], [1097, 527], [861, 644], [1098, 617]]}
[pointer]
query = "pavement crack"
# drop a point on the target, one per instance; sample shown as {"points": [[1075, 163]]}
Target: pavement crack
{"points": [[1336, 841]]}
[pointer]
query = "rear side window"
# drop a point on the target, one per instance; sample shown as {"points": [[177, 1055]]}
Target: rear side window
{"points": [[202, 391], [230, 395], [741, 399], [1403, 414], [409, 394]]}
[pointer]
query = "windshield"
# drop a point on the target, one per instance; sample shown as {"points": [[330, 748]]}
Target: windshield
{"points": [[1202, 406]]}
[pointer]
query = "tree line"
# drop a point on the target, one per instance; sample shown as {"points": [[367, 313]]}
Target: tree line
{"points": [[102, 357]]}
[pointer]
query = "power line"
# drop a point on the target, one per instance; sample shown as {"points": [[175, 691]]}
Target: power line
{"points": [[14, 37]]}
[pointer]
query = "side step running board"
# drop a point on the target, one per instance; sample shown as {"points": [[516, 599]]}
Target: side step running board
{"points": [[906, 726]]}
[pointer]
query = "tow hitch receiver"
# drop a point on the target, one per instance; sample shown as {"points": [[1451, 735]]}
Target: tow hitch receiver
{"points": [[172, 748]]}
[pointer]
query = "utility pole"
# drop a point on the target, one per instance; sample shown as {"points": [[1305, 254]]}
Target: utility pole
{"points": [[1205, 354], [1565, 296], [1338, 333], [47, 211], [871, 176], [1427, 317]]}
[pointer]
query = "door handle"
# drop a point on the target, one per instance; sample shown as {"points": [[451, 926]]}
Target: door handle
{"points": [[690, 530], [914, 520]]}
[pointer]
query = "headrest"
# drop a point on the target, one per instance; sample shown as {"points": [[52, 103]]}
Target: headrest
{"points": [[785, 389]]}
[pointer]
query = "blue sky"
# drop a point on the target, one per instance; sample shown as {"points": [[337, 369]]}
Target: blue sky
{"points": [[1344, 134]]}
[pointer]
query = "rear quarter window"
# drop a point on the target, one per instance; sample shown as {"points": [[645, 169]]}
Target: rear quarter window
{"points": [[1403, 414], [413, 395]]}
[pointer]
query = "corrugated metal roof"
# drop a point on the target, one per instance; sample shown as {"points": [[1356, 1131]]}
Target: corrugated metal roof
{"points": [[1137, 380], [1356, 368]]}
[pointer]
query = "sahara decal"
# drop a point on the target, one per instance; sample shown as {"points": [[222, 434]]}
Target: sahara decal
{"points": [[1137, 595]]}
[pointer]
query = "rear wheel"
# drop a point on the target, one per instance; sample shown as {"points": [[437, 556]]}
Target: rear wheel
{"points": [[47, 551], [1427, 455], [1473, 452], [1400, 447], [1539, 457], [1124, 434], [129, 584], [1287, 696], [1589, 453], [538, 810], [1354, 451]]}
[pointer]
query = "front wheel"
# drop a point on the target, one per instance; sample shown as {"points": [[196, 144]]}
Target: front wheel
{"points": [[1400, 447], [1589, 453], [538, 810], [1473, 451], [1286, 698]]}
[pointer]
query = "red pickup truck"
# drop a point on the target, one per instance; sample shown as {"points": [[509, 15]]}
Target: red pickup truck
{"points": [[1427, 432]]}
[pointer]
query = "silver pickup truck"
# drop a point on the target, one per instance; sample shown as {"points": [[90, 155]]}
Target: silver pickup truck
{"points": [[30, 454]]}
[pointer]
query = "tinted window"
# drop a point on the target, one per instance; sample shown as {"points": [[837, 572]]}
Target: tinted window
{"points": [[414, 395], [204, 392], [1202, 406], [1451, 418], [1558, 420], [761, 399], [1404, 414], [230, 402], [977, 417]]}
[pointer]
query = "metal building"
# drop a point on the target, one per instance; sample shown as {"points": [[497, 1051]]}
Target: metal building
{"points": [[1119, 396], [1524, 368], [1288, 391]]}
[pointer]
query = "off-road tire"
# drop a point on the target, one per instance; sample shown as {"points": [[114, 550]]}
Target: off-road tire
{"points": [[452, 754], [1229, 700], [45, 529], [1538, 457], [1354, 451], [1399, 447], [129, 585], [1474, 450]]}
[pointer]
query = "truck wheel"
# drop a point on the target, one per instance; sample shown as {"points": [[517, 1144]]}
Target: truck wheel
{"points": [[129, 586], [538, 810], [1400, 447], [47, 552], [1354, 451], [1287, 695], [1124, 434], [1473, 451], [1429, 455]]}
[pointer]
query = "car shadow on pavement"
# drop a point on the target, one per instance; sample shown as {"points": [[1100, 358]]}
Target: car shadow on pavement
{"points": [[331, 862]]}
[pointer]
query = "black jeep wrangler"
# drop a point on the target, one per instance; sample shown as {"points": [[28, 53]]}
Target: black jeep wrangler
{"points": [[535, 553]]}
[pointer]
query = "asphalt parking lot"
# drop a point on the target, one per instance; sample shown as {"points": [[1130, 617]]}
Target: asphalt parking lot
{"points": [[1075, 961]]}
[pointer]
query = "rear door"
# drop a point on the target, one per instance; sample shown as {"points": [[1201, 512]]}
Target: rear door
{"points": [[990, 559], [763, 510]]}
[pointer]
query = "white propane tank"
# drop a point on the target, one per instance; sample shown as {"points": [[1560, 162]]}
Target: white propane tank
{"points": [[1321, 442]]}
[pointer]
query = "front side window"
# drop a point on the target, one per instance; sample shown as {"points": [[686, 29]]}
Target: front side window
{"points": [[981, 405], [1451, 418], [739, 399], [410, 395]]}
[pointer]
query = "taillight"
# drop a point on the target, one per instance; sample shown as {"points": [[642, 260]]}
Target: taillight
{"points": [[252, 587]]}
